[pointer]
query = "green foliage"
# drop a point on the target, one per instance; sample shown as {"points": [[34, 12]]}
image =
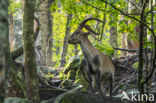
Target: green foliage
{"points": [[149, 45], [14, 6], [81, 11], [105, 48], [62, 75], [135, 65]]}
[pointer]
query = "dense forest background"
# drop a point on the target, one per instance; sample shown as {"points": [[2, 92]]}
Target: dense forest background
{"points": [[37, 63]]}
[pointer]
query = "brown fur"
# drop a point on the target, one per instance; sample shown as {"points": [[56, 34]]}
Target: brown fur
{"points": [[105, 66]]}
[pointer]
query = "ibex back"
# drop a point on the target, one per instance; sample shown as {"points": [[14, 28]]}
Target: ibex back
{"points": [[100, 69]]}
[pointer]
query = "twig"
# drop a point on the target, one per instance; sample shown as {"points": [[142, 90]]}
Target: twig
{"points": [[94, 6], [152, 31], [133, 4], [129, 50], [123, 66]]}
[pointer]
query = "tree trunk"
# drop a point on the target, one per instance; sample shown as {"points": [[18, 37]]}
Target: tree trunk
{"points": [[113, 38], [46, 31], [103, 25], [133, 44], [11, 32], [142, 34], [124, 38], [29, 52], [65, 44], [4, 46]]}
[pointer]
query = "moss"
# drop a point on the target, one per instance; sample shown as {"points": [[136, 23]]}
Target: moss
{"points": [[135, 65], [73, 64], [16, 100], [63, 98], [71, 75], [80, 80], [66, 84], [75, 96], [17, 84]]}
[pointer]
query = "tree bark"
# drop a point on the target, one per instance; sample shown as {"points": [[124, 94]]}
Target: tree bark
{"points": [[113, 38], [103, 25], [4, 46], [124, 37], [140, 68], [11, 32], [65, 43], [46, 31], [29, 52], [133, 44]]}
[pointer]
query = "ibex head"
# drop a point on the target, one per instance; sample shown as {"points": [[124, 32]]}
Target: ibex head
{"points": [[78, 34]]}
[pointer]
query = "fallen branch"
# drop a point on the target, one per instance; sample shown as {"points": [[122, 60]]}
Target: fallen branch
{"points": [[129, 50]]}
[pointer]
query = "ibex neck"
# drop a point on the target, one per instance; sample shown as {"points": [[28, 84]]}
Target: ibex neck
{"points": [[87, 48]]}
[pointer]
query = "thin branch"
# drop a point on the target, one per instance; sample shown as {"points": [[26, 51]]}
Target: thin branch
{"points": [[95, 6], [129, 50], [130, 17], [40, 3], [108, 10], [133, 4]]}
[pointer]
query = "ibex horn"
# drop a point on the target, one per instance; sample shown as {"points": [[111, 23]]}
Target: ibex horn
{"points": [[90, 29], [82, 24]]}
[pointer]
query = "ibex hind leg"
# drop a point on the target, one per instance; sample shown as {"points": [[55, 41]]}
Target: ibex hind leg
{"points": [[111, 85]]}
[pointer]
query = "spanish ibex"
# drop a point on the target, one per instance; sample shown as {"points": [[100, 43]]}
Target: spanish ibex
{"points": [[100, 69]]}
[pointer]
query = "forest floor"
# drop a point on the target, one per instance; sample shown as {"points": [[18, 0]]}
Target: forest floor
{"points": [[125, 79]]}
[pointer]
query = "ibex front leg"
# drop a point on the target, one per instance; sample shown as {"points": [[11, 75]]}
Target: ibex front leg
{"points": [[99, 82], [90, 81], [90, 74]]}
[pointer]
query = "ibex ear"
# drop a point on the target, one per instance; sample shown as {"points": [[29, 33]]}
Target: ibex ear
{"points": [[90, 29]]}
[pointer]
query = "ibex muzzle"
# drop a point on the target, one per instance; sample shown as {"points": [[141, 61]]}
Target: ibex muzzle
{"points": [[100, 69]]}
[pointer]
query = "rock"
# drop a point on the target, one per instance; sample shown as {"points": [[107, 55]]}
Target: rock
{"points": [[49, 93], [75, 96], [45, 70], [80, 80], [16, 100], [73, 64], [48, 101], [81, 75]]}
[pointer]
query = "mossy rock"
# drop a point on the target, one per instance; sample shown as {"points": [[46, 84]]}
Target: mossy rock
{"points": [[66, 84], [45, 70], [73, 64], [77, 96], [71, 75], [16, 100], [80, 80]]}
